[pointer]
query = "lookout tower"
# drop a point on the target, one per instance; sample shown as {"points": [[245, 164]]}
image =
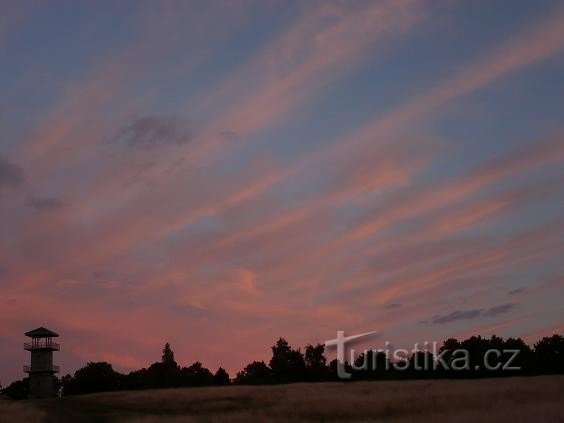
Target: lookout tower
{"points": [[41, 371]]}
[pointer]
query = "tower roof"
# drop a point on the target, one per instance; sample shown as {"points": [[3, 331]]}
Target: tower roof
{"points": [[41, 332]]}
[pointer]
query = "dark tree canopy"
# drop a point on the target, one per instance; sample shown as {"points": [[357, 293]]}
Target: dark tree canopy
{"points": [[94, 377], [255, 373], [196, 375], [549, 353], [289, 365], [316, 363], [17, 390]]}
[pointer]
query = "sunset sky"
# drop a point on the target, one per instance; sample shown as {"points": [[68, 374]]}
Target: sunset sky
{"points": [[217, 174]]}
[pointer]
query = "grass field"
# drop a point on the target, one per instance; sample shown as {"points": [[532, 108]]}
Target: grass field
{"points": [[532, 399]]}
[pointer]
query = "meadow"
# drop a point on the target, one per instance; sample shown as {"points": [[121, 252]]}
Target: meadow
{"points": [[515, 399]]}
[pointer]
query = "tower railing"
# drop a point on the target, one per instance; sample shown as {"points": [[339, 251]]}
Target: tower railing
{"points": [[42, 368], [42, 345]]}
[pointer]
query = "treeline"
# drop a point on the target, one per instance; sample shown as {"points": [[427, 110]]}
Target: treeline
{"points": [[289, 365]]}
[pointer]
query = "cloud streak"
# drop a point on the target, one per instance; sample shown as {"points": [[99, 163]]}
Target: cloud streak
{"points": [[473, 314]]}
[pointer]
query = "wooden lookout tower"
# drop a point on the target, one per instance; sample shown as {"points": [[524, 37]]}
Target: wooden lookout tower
{"points": [[41, 370]]}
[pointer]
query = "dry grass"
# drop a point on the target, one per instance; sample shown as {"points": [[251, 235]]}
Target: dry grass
{"points": [[20, 411], [533, 399]]}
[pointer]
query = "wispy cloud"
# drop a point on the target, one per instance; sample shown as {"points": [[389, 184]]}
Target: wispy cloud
{"points": [[473, 314], [151, 131], [499, 309]]}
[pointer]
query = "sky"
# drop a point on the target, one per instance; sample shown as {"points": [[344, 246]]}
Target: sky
{"points": [[218, 174]]}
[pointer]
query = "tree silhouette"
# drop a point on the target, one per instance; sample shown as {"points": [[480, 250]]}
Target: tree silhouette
{"points": [[290, 365], [168, 356], [17, 390], [255, 373], [421, 364], [523, 360], [333, 366], [315, 363], [94, 377], [195, 375], [287, 365], [549, 354], [221, 377]]}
